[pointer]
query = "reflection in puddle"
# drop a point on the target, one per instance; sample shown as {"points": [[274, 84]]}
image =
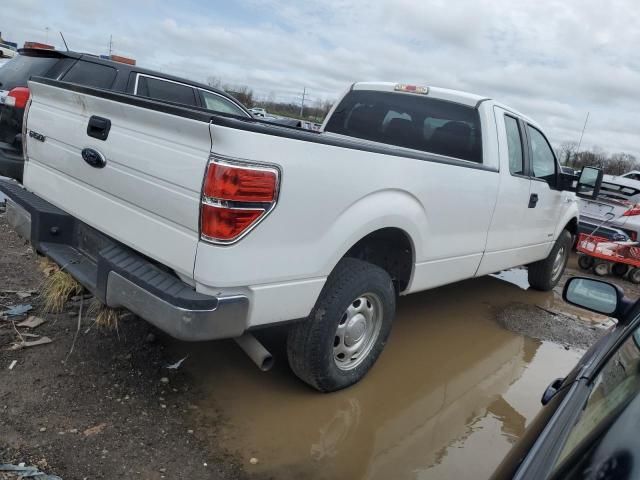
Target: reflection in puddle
{"points": [[450, 394], [517, 276]]}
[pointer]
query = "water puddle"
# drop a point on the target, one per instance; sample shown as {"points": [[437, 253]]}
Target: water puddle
{"points": [[449, 396]]}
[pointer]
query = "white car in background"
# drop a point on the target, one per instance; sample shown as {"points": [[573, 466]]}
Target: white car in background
{"points": [[258, 112], [7, 51], [617, 206]]}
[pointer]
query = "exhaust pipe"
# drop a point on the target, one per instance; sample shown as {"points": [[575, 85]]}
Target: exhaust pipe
{"points": [[256, 351]]}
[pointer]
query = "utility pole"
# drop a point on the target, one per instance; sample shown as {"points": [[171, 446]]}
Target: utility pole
{"points": [[110, 45], [46, 29], [304, 94]]}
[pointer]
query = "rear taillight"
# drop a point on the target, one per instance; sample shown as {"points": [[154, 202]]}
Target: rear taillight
{"points": [[17, 97], [240, 184], [632, 212], [236, 196]]}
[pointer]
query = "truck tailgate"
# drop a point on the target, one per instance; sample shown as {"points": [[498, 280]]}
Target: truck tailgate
{"points": [[146, 195]]}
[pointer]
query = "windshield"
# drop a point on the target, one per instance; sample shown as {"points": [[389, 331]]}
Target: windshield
{"points": [[17, 71], [615, 386]]}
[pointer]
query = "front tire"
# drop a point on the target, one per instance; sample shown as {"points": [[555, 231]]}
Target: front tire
{"points": [[545, 274], [347, 329]]}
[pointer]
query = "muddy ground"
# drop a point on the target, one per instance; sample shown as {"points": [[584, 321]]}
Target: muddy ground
{"points": [[111, 409]]}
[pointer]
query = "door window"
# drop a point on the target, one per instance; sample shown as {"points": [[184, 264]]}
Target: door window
{"points": [[165, 91], [543, 162], [617, 383], [91, 74], [218, 103], [514, 146]]}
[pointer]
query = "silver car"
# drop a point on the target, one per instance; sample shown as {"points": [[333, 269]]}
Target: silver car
{"points": [[617, 206]]}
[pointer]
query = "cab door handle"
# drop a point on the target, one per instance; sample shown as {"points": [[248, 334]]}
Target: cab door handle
{"points": [[533, 200]]}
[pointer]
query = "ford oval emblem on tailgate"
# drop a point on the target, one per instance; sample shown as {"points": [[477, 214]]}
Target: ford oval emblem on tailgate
{"points": [[94, 158]]}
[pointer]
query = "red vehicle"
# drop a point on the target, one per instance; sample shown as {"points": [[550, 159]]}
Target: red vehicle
{"points": [[605, 256]]}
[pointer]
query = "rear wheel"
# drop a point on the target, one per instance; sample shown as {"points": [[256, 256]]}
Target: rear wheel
{"points": [[545, 274], [601, 269], [620, 269], [347, 329], [585, 262], [634, 275]]}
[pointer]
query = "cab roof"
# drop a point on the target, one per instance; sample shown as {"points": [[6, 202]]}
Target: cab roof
{"points": [[458, 96]]}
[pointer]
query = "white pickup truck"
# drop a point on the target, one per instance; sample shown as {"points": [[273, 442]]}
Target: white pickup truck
{"points": [[214, 226]]}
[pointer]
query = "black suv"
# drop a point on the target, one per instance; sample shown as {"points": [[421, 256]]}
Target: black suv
{"points": [[92, 71]]}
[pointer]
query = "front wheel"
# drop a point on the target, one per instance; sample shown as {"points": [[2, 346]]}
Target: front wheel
{"points": [[347, 329], [545, 274]]}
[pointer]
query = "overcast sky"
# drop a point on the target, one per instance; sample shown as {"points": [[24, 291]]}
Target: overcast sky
{"points": [[553, 60]]}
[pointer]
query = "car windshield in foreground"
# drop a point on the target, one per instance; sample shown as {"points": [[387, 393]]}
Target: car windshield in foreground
{"points": [[17, 71], [614, 387]]}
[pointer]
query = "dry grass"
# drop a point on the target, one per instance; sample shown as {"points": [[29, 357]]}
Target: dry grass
{"points": [[106, 317], [57, 288]]}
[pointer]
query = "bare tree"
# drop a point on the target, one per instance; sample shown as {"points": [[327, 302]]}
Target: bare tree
{"points": [[215, 82], [565, 152]]}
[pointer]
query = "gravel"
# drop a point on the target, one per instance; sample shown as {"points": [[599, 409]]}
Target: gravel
{"points": [[532, 321]]}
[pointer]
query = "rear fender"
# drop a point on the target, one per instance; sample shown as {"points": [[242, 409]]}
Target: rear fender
{"points": [[381, 209]]}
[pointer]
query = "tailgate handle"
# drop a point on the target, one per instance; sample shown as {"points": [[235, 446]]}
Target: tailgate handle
{"points": [[99, 127]]}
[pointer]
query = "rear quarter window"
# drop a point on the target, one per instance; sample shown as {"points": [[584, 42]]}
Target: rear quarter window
{"points": [[17, 71], [165, 90], [410, 121], [91, 74]]}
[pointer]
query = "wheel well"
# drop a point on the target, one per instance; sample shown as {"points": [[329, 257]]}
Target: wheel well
{"points": [[572, 226], [391, 250]]}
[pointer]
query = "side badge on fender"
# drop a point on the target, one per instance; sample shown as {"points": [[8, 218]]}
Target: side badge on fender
{"points": [[94, 158]]}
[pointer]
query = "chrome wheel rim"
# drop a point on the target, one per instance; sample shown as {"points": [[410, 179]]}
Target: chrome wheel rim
{"points": [[558, 264], [357, 332]]}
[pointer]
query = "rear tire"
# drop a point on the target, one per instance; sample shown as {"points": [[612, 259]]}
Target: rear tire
{"points": [[347, 329], [620, 269], [545, 274], [585, 262]]}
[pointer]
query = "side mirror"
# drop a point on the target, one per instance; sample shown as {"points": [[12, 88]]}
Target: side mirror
{"points": [[596, 296], [589, 182]]}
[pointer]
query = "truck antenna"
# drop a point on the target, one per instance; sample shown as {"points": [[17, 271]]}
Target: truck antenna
{"points": [[582, 134], [65, 42]]}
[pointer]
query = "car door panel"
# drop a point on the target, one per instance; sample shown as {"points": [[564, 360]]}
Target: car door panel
{"points": [[552, 203], [511, 240]]}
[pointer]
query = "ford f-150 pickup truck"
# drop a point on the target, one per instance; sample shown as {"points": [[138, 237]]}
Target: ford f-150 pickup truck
{"points": [[212, 226]]}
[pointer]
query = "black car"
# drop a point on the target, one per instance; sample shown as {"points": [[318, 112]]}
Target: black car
{"points": [[589, 427], [89, 70]]}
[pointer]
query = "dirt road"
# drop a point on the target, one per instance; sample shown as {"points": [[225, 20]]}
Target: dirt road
{"points": [[454, 389]]}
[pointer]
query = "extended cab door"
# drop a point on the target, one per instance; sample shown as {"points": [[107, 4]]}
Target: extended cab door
{"points": [[511, 239], [550, 202]]}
